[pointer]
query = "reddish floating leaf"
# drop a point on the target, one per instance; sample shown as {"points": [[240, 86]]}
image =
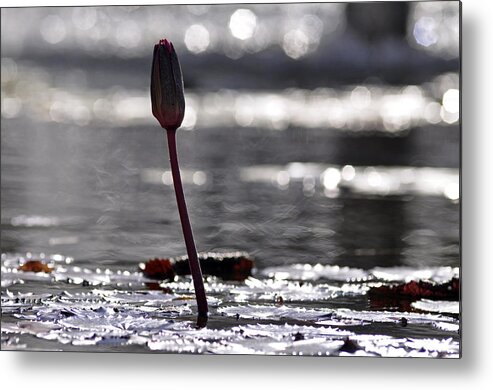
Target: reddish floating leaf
{"points": [[155, 286], [35, 266], [160, 269], [417, 290], [228, 266]]}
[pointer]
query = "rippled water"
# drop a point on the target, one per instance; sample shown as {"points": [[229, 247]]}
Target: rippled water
{"points": [[104, 196]]}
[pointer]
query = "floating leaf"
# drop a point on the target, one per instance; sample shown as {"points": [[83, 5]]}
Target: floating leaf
{"points": [[315, 272], [407, 274], [228, 266], [447, 326], [368, 317], [281, 291], [437, 306], [35, 266], [160, 269], [418, 289]]}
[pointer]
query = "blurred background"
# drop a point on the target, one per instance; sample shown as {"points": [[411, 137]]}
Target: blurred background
{"points": [[314, 133]]}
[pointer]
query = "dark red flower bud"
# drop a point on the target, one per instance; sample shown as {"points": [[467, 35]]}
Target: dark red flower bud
{"points": [[167, 92]]}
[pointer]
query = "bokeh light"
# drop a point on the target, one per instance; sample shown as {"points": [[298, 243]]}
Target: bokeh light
{"points": [[243, 23], [197, 38], [358, 108], [53, 29], [434, 27]]}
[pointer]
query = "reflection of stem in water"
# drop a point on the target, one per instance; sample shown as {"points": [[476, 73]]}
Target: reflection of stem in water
{"points": [[198, 282]]}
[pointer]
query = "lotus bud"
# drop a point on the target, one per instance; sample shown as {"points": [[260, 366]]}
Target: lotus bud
{"points": [[167, 92]]}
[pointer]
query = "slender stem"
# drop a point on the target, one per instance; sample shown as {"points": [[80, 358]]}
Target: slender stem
{"points": [[193, 260]]}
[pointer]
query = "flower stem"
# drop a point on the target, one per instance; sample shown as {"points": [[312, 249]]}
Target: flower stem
{"points": [[193, 260]]}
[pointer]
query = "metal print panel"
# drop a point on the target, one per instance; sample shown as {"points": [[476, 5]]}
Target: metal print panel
{"points": [[273, 179]]}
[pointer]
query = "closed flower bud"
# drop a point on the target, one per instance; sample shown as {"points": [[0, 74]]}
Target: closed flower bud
{"points": [[167, 92]]}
